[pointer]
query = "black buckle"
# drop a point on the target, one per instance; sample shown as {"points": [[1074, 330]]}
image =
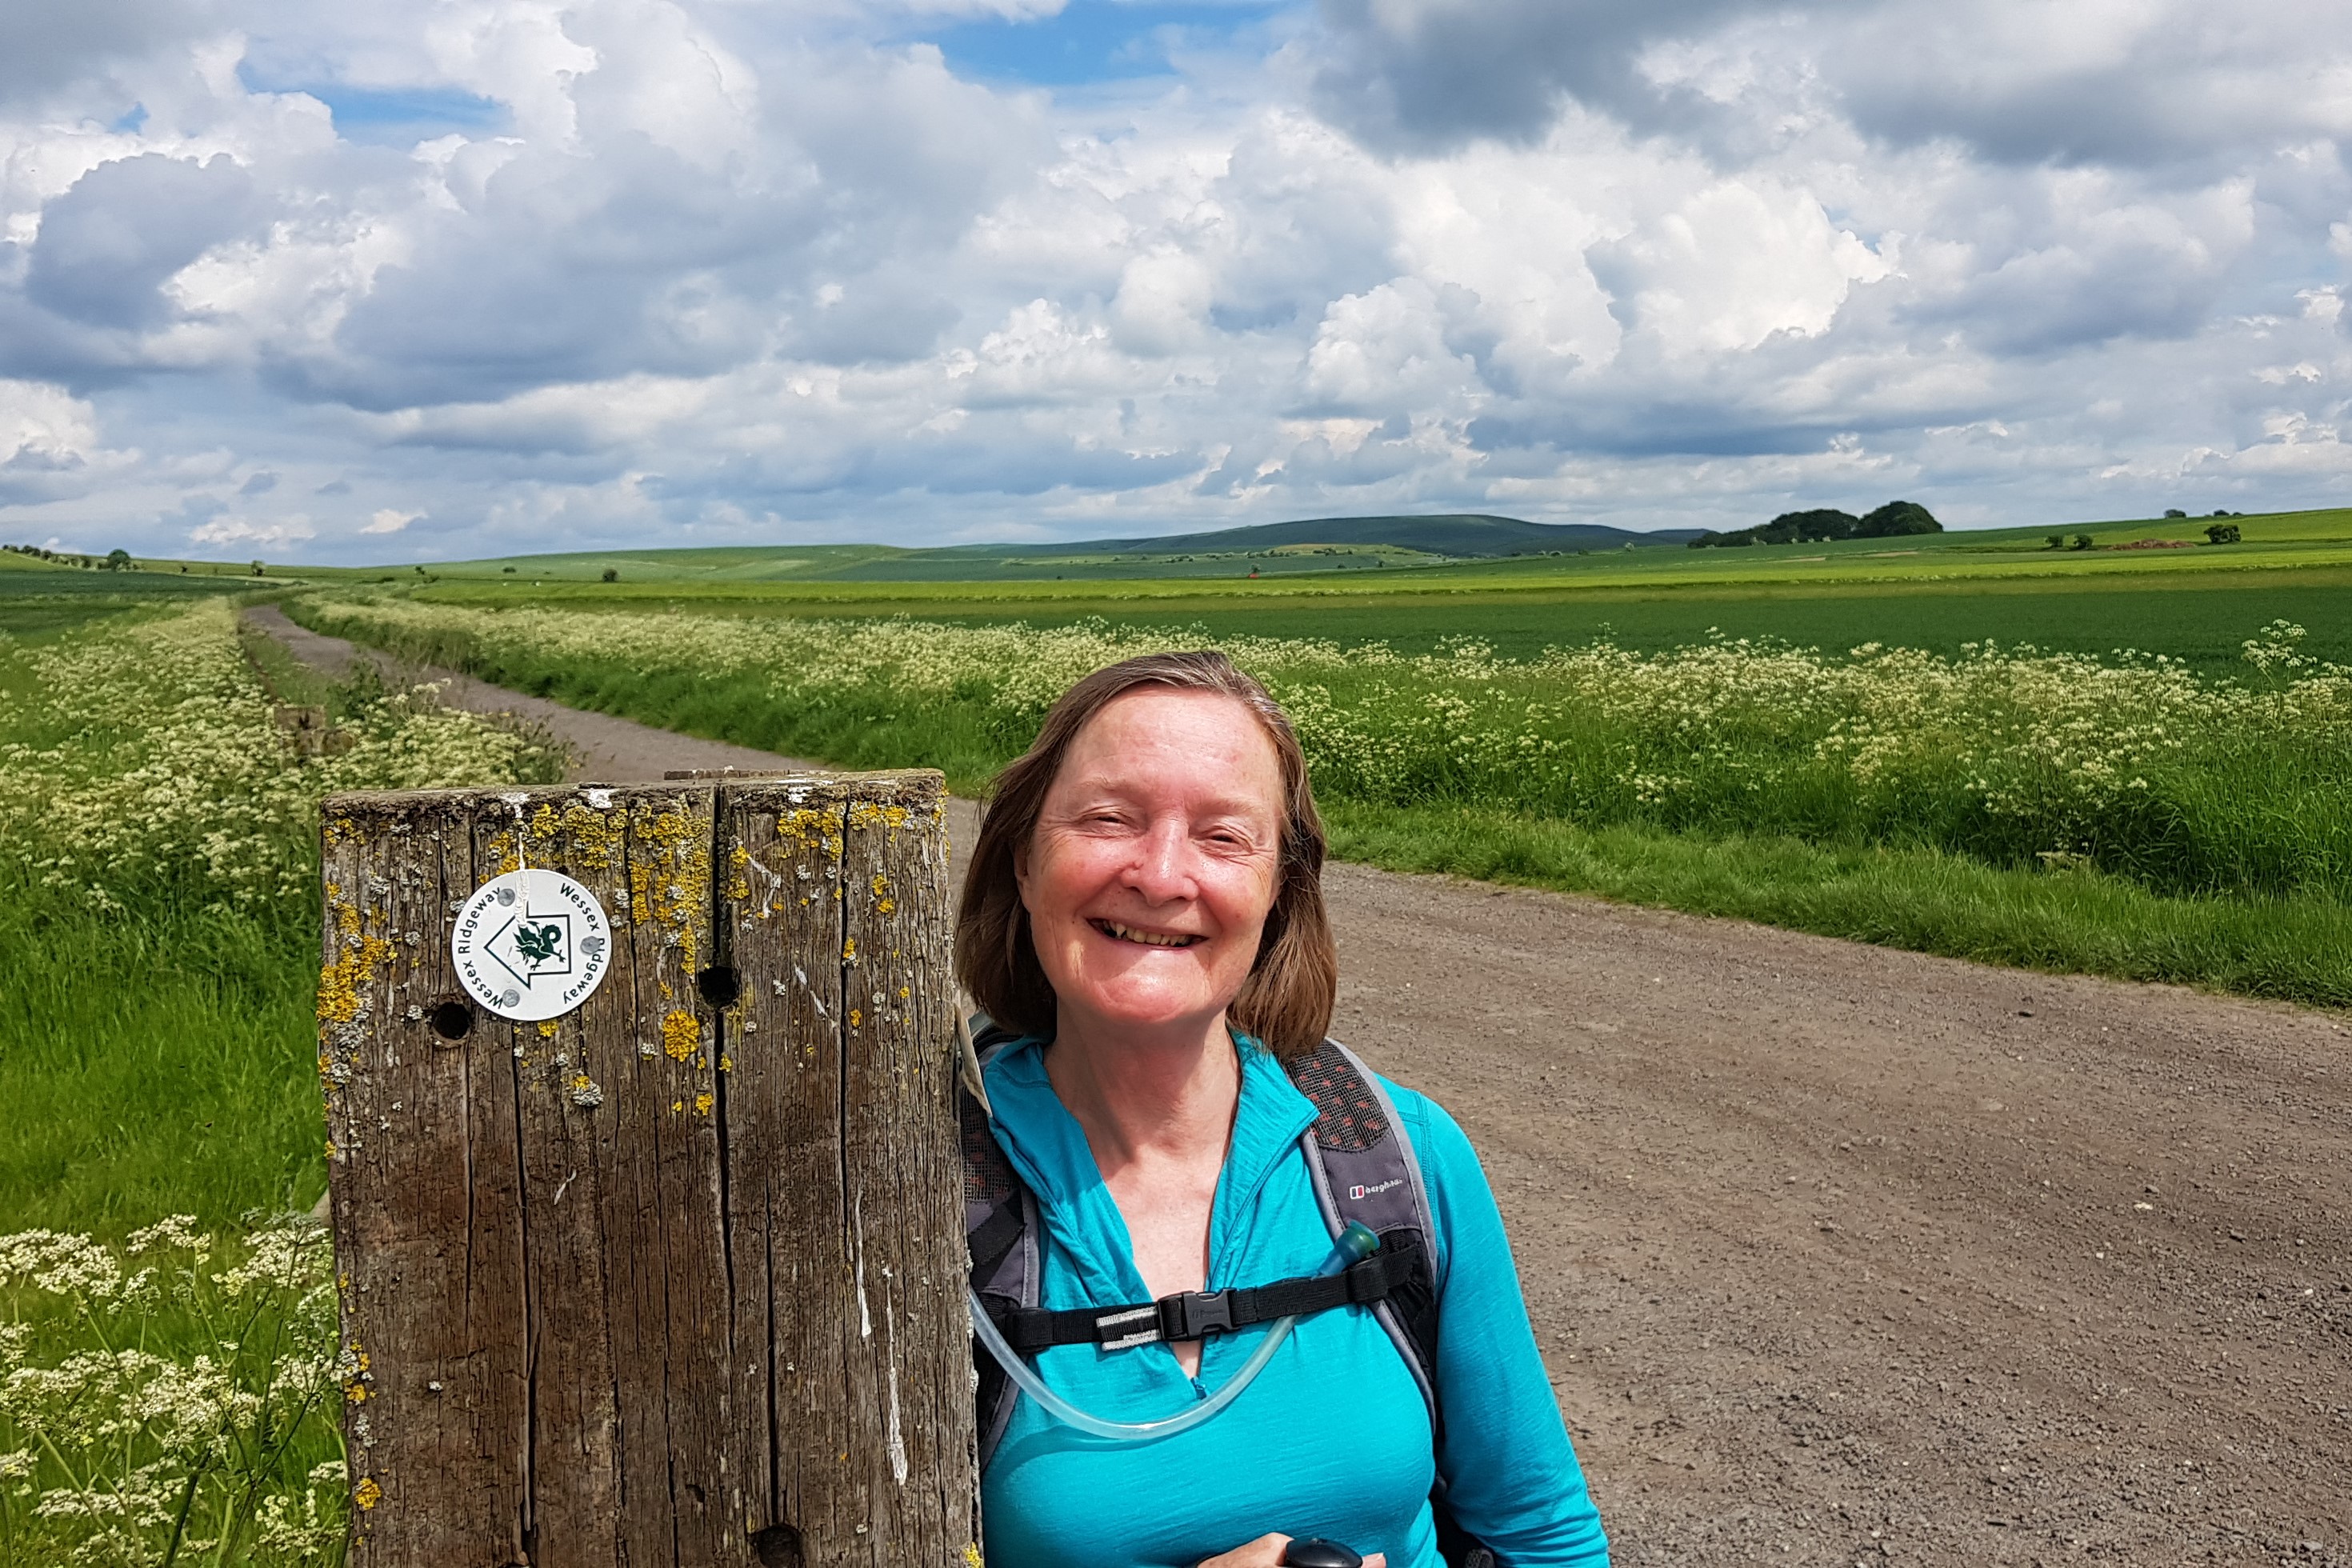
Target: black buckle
{"points": [[1188, 1314]]}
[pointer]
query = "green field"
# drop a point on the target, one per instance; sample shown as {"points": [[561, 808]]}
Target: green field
{"points": [[1938, 593], [2203, 617], [38, 598]]}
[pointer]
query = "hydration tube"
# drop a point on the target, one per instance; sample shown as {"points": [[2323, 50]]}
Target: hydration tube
{"points": [[1355, 1242]]}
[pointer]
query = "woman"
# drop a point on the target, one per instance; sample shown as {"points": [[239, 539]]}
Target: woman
{"points": [[1144, 913]]}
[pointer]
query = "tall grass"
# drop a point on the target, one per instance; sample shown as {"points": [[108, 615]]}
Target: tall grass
{"points": [[2231, 798], [167, 1390]]}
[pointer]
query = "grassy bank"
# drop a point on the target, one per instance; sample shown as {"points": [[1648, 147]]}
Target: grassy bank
{"points": [[2130, 818], [156, 1058], [2080, 921], [168, 1390]]}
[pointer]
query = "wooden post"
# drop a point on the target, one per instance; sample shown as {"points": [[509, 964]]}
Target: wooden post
{"points": [[675, 1279]]}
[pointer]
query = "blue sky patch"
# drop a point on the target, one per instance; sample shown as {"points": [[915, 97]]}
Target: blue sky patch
{"points": [[1089, 40], [395, 117]]}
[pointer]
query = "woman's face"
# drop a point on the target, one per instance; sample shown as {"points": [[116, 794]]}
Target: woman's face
{"points": [[1155, 859]]}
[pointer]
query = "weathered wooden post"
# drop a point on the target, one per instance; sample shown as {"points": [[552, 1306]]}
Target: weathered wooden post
{"points": [[647, 1193]]}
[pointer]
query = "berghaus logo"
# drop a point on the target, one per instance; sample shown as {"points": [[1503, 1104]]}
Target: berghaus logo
{"points": [[1362, 1193]]}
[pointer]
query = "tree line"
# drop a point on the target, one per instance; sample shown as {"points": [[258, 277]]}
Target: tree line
{"points": [[1896, 519]]}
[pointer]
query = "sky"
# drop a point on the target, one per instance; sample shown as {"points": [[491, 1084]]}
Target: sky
{"points": [[427, 278]]}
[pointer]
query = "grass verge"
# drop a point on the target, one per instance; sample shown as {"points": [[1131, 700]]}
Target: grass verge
{"points": [[2073, 922], [155, 1059]]}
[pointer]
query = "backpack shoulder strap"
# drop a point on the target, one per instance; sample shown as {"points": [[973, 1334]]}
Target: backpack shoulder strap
{"points": [[1001, 1226], [1364, 1169]]}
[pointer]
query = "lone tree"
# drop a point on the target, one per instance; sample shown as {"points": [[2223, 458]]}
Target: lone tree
{"points": [[1896, 519], [117, 561], [612, 573], [2220, 533]]}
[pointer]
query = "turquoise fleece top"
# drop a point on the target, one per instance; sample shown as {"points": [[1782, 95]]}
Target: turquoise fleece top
{"points": [[1333, 1439]]}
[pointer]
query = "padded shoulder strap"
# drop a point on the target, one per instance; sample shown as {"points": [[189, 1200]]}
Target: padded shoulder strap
{"points": [[1365, 1170], [1000, 1226]]}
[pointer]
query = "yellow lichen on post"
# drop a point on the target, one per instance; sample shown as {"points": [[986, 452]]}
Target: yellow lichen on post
{"points": [[670, 878], [340, 981]]}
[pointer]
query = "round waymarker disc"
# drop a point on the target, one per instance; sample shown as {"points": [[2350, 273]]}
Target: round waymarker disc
{"points": [[531, 945]]}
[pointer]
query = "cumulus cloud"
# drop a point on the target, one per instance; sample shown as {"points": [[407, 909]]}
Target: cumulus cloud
{"points": [[579, 272], [238, 531]]}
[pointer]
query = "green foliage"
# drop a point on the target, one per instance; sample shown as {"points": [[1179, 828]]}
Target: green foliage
{"points": [[1824, 524], [117, 561], [2201, 619], [159, 918], [161, 1406], [155, 1058], [1897, 520], [2221, 534], [2011, 760], [1788, 528], [40, 599]]}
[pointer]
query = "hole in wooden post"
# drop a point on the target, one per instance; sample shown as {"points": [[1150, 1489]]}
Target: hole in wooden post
{"points": [[720, 986], [778, 1546], [453, 1020]]}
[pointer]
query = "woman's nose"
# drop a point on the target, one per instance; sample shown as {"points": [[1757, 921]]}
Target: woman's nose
{"points": [[1162, 868]]}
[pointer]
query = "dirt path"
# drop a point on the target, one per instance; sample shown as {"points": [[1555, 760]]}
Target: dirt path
{"points": [[1842, 1254]]}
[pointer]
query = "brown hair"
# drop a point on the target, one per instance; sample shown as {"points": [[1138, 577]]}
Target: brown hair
{"points": [[1286, 1000]]}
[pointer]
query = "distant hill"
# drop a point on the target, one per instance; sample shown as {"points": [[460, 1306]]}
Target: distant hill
{"points": [[1308, 545], [1449, 534], [1440, 534]]}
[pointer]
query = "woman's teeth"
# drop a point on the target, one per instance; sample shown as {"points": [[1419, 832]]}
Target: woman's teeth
{"points": [[1148, 938]]}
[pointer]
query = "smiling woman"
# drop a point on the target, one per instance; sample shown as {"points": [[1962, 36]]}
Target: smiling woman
{"points": [[1144, 921]]}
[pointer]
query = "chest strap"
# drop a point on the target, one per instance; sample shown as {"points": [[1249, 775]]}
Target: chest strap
{"points": [[1194, 1314]]}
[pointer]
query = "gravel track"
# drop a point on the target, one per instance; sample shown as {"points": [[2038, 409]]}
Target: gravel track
{"points": [[1843, 1254]]}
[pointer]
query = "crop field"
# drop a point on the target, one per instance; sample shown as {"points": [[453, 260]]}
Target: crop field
{"points": [[2196, 604], [2203, 619], [2130, 816], [169, 1385], [36, 598], [1379, 564]]}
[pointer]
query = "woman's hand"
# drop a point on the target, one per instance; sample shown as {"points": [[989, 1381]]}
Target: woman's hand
{"points": [[1265, 1551]]}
